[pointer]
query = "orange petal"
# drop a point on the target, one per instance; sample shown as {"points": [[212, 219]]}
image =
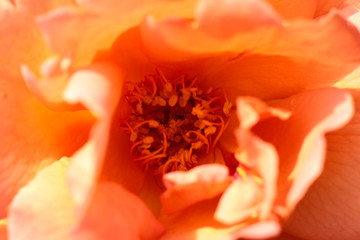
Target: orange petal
{"points": [[31, 134], [255, 153], [333, 200], [43, 209], [187, 188], [3, 229], [240, 201], [324, 6], [300, 140], [290, 9], [267, 62], [197, 222], [39, 6], [98, 88], [230, 18], [80, 33], [21, 41], [125, 216]]}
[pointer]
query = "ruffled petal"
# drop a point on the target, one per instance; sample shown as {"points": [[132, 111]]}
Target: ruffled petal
{"points": [[334, 198], [300, 141], [324, 6], [81, 32], [98, 88], [43, 209], [187, 188], [125, 216], [258, 155], [267, 61], [197, 222]]}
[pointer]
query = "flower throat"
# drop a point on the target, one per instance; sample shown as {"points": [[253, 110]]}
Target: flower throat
{"points": [[173, 122]]}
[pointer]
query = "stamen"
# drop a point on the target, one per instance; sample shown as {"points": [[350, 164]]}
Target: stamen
{"points": [[173, 122]]}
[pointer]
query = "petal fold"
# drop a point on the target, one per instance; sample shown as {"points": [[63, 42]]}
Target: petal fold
{"points": [[187, 188]]}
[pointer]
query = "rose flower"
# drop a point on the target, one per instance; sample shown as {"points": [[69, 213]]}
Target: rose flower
{"points": [[167, 119]]}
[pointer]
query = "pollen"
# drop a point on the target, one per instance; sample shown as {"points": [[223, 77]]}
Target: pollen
{"points": [[173, 121]]}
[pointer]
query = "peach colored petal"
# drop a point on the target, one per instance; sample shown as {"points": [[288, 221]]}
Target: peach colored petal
{"points": [[333, 199], [325, 6], [31, 134], [290, 9], [301, 162], [267, 62], [240, 201], [187, 188], [98, 88], [49, 89], [233, 17], [81, 33], [197, 222], [20, 41], [255, 153], [260, 230], [117, 214], [43, 209], [37, 7], [3, 229]]}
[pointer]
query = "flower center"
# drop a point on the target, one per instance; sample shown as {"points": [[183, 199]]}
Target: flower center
{"points": [[173, 122]]}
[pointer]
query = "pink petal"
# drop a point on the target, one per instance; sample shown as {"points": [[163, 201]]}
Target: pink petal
{"points": [[187, 188], [43, 209], [125, 216]]}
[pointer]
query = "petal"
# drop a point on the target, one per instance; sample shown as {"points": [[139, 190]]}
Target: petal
{"points": [[240, 201], [126, 217], [3, 229], [325, 6], [300, 140], [254, 62], [187, 188], [43, 209], [233, 17], [255, 153], [334, 198], [80, 33], [37, 7], [20, 41], [290, 9], [98, 88], [197, 222], [31, 135]]}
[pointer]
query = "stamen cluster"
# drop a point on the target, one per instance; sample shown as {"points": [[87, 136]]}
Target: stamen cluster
{"points": [[172, 122]]}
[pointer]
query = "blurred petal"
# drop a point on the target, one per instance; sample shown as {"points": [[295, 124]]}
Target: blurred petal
{"points": [[290, 9], [20, 41], [334, 198], [186, 188], [43, 209], [325, 6], [3, 229], [125, 216], [31, 135], [37, 7]]}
